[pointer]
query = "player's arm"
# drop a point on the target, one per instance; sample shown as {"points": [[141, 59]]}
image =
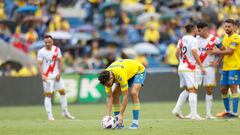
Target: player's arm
{"points": [[60, 66], [177, 53], [224, 51], [109, 101], [198, 61], [219, 59], [124, 88], [39, 66], [227, 51]]}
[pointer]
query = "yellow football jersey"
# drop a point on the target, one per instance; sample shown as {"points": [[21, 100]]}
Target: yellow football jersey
{"points": [[231, 62], [123, 70]]}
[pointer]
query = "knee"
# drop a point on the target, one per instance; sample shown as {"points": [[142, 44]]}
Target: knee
{"points": [[224, 91], [209, 91], [134, 93], [48, 94], [193, 91], [62, 92], [233, 88], [116, 94]]}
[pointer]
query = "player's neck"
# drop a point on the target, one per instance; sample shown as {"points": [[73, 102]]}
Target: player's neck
{"points": [[230, 34], [191, 34], [206, 35], [49, 48]]}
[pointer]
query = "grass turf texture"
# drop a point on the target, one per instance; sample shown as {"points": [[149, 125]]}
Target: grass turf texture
{"points": [[155, 119]]}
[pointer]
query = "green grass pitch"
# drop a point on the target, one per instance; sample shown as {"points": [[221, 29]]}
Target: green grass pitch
{"points": [[155, 119]]}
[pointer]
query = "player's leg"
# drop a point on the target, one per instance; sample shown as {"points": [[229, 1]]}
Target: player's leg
{"points": [[116, 91], [224, 90], [116, 98], [59, 86], [181, 99], [136, 84], [233, 82], [209, 82], [135, 104], [209, 100], [192, 87], [48, 92], [235, 100]]}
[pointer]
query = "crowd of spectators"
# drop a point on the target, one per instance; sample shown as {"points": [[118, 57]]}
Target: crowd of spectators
{"points": [[108, 30]]}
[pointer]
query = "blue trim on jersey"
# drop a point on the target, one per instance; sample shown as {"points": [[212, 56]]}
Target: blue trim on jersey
{"points": [[138, 78], [230, 77]]}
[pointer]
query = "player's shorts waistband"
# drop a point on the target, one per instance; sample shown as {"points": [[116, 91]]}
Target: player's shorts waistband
{"points": [[186, 70]]}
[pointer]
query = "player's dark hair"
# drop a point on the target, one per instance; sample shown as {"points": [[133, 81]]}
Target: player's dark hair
{"points": [[201, 25], [230, 21], [189, 28], [48, 36], [237, 23], [104, 77]]}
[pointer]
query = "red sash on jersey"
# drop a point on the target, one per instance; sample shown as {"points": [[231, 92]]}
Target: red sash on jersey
{"points": [[184, 56], [51, 67], [209, 46]]}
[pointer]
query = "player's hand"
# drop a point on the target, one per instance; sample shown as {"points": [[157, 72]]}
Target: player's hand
{"points": [[214, 63], [44, 78], [120, 120], [58, 77], [203, 70]]}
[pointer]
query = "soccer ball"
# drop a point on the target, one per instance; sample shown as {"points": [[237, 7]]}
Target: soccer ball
{"points": [[108, 122]]}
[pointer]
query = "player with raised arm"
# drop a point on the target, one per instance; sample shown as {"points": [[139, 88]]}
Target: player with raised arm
{"points": [[49, 60], [125, 74], [187, 54]]}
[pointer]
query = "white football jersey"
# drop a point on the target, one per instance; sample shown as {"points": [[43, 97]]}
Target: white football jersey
{"points": [[202, 48], [46, 56], [188, 44]]}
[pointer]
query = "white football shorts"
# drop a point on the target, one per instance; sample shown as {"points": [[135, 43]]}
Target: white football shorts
{"points": [[209, 79], [188, 79], [53, 85]]}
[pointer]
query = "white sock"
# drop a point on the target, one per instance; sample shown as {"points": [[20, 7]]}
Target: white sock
{"points": [[208, 99], [135, 121], [48, 106], [181, 99], [63, 102], [193, 103]]}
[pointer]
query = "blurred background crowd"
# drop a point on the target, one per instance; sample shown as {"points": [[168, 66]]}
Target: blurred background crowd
{"points": [[94, 33]]}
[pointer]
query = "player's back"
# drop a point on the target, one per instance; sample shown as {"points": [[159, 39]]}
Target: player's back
{"points": [[128, 66], [186, 45], [232, 62]]}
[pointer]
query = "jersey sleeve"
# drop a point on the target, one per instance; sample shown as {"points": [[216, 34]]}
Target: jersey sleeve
{"points": [[59, 53], [235, 42], [40, 56], [178, 44], [218, 42]]}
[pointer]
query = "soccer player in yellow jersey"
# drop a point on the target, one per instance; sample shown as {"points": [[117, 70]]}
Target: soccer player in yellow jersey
{"points": [[231, 67], [125, 74]]}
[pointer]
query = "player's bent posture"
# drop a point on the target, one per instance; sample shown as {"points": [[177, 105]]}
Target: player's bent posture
{"points": [[50, 67], [207, 42], [187, 54], [124, 74], [231, 66]]}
